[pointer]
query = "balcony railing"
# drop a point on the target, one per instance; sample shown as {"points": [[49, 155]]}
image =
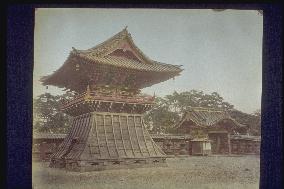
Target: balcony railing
{"points": [[91, 96]]}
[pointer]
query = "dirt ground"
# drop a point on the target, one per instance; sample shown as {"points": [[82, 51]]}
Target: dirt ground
{"points": [[213, 172]]}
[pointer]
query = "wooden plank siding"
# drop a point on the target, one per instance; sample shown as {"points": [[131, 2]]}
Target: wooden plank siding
{"points": [[107, 136]]}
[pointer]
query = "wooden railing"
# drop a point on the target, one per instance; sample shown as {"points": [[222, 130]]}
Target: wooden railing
{"points": [[91, 96]]}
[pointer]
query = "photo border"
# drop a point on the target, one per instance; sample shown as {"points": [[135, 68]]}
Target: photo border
{"points": [[19, 59]]}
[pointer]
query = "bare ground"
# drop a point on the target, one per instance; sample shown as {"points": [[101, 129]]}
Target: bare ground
{"points": [[213, 172]]}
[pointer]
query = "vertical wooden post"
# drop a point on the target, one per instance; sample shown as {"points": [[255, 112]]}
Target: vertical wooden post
{"points": [[97, 135], [218, 145], [114, 137], [122, 138], [229, 143], [105, 135], [136, 134], [174, 150], [130, 138], [203, 145]]}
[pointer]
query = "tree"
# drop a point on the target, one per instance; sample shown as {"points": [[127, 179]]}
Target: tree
{"points": [[252, 120], [47, 114], [161, 119], [181, 102], [169, 110], [193, 98]]}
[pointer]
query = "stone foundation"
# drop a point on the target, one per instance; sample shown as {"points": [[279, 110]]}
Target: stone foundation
{"points": [[99, 165]]}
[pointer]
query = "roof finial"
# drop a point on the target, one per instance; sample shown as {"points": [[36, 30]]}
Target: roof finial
{"points": [[124, 31], [74, 50]]}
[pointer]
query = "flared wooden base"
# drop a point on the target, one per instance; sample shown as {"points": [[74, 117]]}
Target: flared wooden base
{"points": [[103, 140]]}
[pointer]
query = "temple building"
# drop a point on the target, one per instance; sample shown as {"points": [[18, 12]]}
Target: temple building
{"points": [[212, 124], [108, 129]]}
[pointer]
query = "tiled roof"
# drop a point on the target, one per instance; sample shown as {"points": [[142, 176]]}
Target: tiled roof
{"points": [[108, 45], [131, 64], [101, 56], [207, 117]]}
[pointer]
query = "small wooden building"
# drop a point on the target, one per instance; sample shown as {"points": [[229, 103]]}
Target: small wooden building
{"points": [[200, 146], [216, 125]]}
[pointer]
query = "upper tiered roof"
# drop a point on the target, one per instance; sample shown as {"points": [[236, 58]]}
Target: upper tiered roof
{"points": [[118, 55]]}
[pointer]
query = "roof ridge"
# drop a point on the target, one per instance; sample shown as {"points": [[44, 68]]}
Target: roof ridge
{"points": [[100, 54], [102, 60], [104, 47], [120, 35], [144, 56], [200, 108]]}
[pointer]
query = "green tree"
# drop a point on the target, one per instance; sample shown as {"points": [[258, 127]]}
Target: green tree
{"points": [[165, 114], [252, 120], [161, 119], [181, 102], [169, 110], [47, 114]]}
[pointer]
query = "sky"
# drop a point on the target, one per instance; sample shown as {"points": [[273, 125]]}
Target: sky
{"points": [[220, 51]]}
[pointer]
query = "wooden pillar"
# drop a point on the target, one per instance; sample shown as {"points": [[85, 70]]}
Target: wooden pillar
{"points": [[202, 147], [218, 145], [105, 134], [42, 148], [97, 133], [130, 138], [122, 137], [229, 144], [114, 136]]}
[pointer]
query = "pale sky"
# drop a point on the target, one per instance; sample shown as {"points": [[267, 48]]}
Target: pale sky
{"points": [[219, 51]]}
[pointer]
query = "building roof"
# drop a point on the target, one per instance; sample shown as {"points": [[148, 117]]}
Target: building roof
{"points": [[118, 52], [123, 62], [207, 117], [102, 54]]}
